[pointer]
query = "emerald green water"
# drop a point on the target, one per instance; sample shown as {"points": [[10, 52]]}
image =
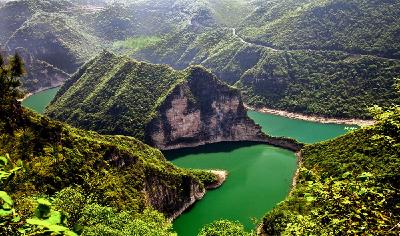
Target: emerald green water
{"points": [[39, 101], [259, 175], [303, 131]]}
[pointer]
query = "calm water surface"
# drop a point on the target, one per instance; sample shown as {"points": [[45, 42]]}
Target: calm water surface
{"points": [[39, 101], [259, 177], [303, 131]]}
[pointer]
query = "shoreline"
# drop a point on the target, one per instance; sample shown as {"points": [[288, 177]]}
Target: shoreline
{"points": [[296, 175], [38, 91], [221, 178], [318, 119]]}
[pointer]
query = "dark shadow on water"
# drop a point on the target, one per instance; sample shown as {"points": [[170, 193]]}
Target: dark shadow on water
{"points": [[208, 148]]}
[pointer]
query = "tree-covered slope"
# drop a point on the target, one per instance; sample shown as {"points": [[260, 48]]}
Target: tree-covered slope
{"points": [[356, 26], [329, 58], [349, 185], [57, 40], [114, 94], [331, 84], [40, 74]]}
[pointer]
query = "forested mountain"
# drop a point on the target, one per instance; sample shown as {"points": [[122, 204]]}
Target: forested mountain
{"points": [[337, 77], [67, 33], [331, 58], [167, 108], [355, 26]]}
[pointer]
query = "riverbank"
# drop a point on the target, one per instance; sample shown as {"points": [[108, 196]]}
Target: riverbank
{"points": [[295, 179], [318, 119]]}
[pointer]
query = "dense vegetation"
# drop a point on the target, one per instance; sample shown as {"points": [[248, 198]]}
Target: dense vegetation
{"points": [[355, 26], [123, 102], [58, 180], [323, 83], [284, 54], [348, 185]]}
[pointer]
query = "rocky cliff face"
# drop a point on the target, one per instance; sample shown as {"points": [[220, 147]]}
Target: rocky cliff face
{"points": [[201, 111]]}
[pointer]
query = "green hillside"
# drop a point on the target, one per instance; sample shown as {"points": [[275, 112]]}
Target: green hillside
{"points": [[328, 58], [348, 185], [355, 26], [114, 95], [154, 103], [332, 84], [52, 35]]}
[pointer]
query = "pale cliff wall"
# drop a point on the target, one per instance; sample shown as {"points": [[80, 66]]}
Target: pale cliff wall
{"points": [[202, 110]]}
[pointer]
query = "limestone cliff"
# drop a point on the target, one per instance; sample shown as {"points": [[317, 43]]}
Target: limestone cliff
{"points": [[173, 201], [201, 111]]}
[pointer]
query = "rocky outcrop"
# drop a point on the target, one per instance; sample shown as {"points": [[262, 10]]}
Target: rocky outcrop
{"points": [[201, 111], [173, 198]]}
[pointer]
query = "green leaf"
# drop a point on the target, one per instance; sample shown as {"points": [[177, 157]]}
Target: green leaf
{"points": [[16, 219], [55, 218], [6, 198], [3, 161], [43, 201], [4, 213], [38, 222]]}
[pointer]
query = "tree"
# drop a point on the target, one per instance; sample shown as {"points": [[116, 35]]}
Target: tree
{"points": [[10, 74], [224, 228], [9, 78]]}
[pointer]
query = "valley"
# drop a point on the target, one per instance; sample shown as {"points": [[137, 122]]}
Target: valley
{"points": [[243, 196], [204, 117]]}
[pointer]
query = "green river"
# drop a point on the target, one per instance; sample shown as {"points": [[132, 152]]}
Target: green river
{"points": [[259, 177]]}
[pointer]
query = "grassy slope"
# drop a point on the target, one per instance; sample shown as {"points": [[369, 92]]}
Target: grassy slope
{"points": [[348, 185]]}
